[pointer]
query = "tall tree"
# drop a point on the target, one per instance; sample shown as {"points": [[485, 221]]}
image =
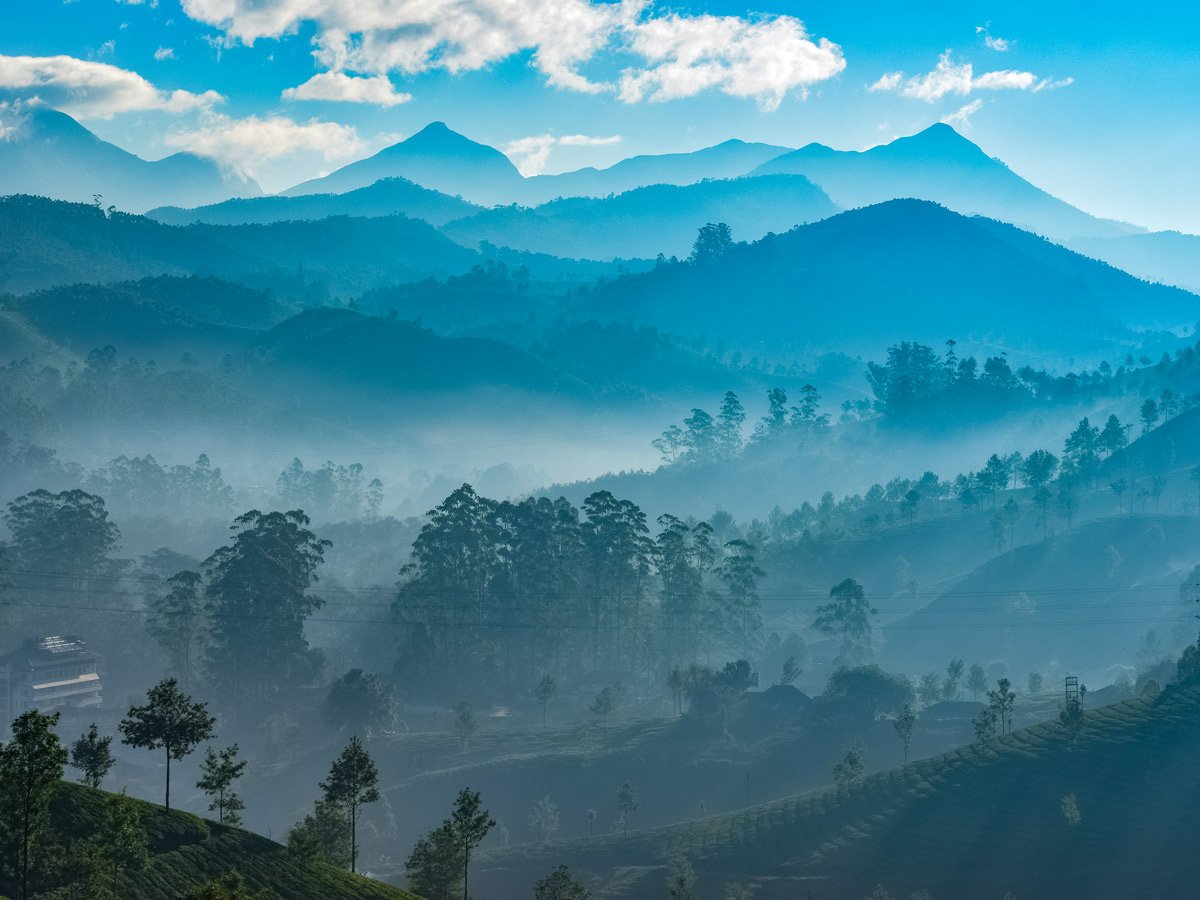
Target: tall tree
{"points": [[544, 691], [729, 426], [361, 702], [353, 781], [176, 621], [90, 754], [1149, 414], [122, 837], [259, 596], [170, 722], [713, 242], [903, 723], [740, 574], [471, 824], [31, 766], [848, 617], [560, 885], [217, 775]]}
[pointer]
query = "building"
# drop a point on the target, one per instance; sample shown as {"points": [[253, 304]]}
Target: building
{"points": [[49, 674]]}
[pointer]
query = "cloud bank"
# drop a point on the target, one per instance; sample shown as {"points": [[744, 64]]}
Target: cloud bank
{"points": [[953, 78]]}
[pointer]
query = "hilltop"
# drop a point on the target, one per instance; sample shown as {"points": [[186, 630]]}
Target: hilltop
{"points": [[975, 822], [187, 852]]}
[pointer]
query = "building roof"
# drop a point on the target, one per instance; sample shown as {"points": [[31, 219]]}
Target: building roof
{"points": [[40, 652]]}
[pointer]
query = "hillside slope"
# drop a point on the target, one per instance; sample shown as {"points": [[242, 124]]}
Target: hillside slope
{"points": [[186, 852], [976, 822]]}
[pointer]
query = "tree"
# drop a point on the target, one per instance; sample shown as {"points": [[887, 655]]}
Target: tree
{"points": [[1039, 468], [1001, 701], [1035, 682], [985, 724], [681, 879], [675, 684], [122, 838], [1012, 511], [729, 426], [31, 766], [954, 674], [669, 444], [1114, 436], [176, 622], [258, 596], [740, 574], [904, 722], [627, 803], [607, 701], [994, 476], [868, 691], [170, 722], [361, 702], [930, 689], [62, 541], [544, 692], [848, 617], [544, 819], [713, 242], [470, 826], [1070, 717], [465, 723], [434, 865], [791, 671], [321, 836], [1149, 414], [849, 770], [218, 773], [91, 755], [559, 885], [352, 782], [976, 681], [229, 887]]}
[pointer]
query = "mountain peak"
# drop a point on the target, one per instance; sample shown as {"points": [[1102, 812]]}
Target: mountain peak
{"points": [[938, 140]]}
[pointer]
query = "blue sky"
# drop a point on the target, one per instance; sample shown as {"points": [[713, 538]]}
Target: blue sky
{"points": [[1094, 103]]}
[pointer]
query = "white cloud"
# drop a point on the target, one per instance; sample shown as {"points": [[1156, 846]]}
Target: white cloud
{"points": [[338, 86], [1000, 45], [1047, 85], [955, 78], [164, 53], [763, 59], [241, 144], [91, 90], [680, 55], [962, 115], [531, 153]]}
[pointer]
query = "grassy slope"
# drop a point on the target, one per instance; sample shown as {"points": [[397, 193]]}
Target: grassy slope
{"points": [[187, 851], [976, 822]]}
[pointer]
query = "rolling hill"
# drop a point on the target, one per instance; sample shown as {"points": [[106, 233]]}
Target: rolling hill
{"points": [[1167, 257], [900, 270], [649, 220], [386, 197], [52, 155], [187, 852], [941, 165], [976, 822]]}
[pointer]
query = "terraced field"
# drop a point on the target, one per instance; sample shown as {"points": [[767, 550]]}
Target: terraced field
{"points": [[981, 821], [187, 851]]}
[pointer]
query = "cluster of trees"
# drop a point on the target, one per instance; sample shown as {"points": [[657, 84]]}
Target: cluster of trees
{"points": [[515, 588], [704, 439], [331, 493]]}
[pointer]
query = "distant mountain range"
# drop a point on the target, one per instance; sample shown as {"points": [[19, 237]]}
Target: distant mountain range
{"points": [[52, 155], [662, 218], [941, 165], [1167, 257]]}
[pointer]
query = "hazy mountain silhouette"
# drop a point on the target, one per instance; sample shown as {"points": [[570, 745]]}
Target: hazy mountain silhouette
{"points": [[730, 159], [52, 155], [643, 222], [436, 158], [386, 197], [1168, 257], [941, 165], [903, 269]]}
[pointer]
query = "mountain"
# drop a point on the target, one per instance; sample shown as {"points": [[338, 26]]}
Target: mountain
{"points": [[645, 221], [979, 821], [436, 158], [1167, 257], [387, 197], [51, 155], [730, 159], [941, 165], [901, 270], [187, 852]]}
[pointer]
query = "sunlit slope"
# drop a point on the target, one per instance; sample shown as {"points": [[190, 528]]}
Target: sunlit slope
{"points": [[187, 851], [902, 270], [976, 822]]}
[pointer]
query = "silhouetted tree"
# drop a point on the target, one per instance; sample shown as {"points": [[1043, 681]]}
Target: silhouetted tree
{"points": [[850, 768], [31, 766], [628, 802], [713, 242], [470, 824], [544, 692], [560, 885], [352, 782], [217, 775], [170, 722], [904, 722], [91, 755], [848, 617], [976, 681]]}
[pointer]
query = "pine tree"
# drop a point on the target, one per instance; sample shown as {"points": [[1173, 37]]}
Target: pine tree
{"points": [[352, 782], [219, 772]]}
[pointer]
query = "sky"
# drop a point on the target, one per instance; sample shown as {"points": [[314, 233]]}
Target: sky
{"points": [[1095, 103]]}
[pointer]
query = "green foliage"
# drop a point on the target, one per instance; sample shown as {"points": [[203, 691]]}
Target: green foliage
{"points": [[361, 702], [321, 837], [560, 885], [868, 690], [606, 702], [681, 879], [904, 722], [850, 769], [169, 721], [218, 773], [177, 623], [847, 617], [31, 768], [122, 840], [90, 754], [229, 887], [1001, 701], [471, 824], [435, 864]]}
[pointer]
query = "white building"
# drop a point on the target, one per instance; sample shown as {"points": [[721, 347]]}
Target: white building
{"points": [[48, 674]]}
